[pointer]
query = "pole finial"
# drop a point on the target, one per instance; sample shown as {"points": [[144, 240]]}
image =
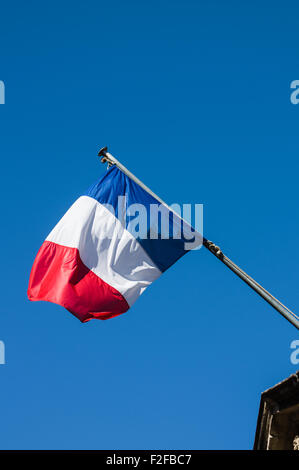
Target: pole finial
{"points": [[106, 157], [102, 153]]}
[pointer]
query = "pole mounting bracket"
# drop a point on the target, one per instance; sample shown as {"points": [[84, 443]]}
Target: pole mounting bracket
{"points": [[213, 248]]}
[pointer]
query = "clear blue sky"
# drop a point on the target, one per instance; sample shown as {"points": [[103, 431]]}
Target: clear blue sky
{"points": [[193, 97]]}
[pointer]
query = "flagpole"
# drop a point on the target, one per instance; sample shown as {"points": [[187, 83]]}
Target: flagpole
{"points": [[106, 157]]}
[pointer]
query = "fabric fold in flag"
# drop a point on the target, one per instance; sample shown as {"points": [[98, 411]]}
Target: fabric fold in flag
{"points": [[100, 257]]}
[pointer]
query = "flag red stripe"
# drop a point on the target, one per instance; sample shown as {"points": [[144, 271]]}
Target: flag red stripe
{"points": [[58, 275]]}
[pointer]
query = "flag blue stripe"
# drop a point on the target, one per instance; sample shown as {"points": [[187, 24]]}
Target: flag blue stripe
{"points": [[163, 252]]}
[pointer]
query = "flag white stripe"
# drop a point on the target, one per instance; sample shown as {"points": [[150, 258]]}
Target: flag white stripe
{"points": [[106, 247]]}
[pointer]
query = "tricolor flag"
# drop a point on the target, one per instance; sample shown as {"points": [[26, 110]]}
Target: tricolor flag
{"points": [[100, 257]]}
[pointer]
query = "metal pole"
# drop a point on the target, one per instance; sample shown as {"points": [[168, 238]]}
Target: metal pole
{"points": [[214, 249]]}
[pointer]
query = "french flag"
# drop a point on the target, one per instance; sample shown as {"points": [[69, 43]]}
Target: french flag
{"points": [[96, 262]]}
